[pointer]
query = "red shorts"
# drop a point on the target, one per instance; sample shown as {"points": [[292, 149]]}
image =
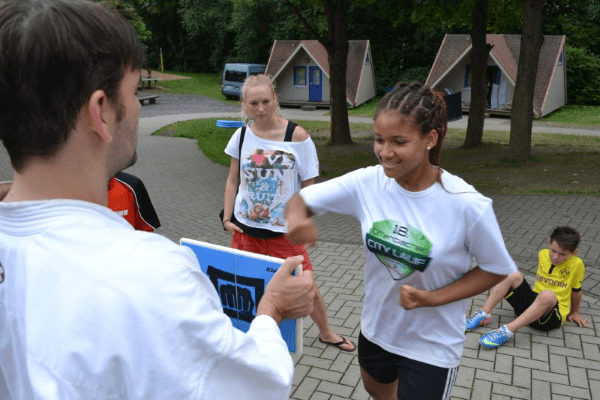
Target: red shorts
{"points": [[277, 247]]}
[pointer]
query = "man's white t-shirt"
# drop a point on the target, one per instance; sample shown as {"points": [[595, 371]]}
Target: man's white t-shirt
{"points": [[271, 172], [425, 239], [91, 309]]}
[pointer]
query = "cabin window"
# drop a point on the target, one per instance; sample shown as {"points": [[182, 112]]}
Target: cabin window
{"points": [[560, 60], [368, 60], [300, 76], [467, 80]]}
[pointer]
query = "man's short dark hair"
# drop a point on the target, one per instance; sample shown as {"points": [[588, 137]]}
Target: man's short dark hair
{"points": [[566, 237], [53, 55]]}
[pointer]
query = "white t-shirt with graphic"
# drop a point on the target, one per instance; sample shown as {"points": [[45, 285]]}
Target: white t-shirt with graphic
{"points": [[425, 239], [271, 172]]}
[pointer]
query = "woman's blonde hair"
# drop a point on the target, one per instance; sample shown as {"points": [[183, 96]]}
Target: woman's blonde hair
{"points": [[256, 81]]}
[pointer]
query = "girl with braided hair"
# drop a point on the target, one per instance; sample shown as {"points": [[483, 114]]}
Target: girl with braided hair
{"points": [[421, 228]]}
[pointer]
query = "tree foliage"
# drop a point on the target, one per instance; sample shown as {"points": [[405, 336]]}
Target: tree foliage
{"points": [[583, 76]]}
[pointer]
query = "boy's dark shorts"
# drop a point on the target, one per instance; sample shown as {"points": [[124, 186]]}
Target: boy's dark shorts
{"points": [[522, 297]]}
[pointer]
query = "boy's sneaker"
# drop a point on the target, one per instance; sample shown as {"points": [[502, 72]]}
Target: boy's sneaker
{"points": [[495, 338], [478, 318]]}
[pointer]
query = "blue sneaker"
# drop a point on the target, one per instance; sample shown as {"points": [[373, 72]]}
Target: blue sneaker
{"points": [[494, 339], [478, 318]]}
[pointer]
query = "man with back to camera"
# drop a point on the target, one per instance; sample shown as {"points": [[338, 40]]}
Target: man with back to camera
{"points": [[89, 307]]}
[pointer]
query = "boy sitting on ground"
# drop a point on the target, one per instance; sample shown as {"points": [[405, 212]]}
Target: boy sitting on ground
{"points": [[557, 291]]}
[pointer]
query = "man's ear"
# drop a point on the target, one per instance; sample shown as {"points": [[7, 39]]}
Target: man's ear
{"points": [[101, 114]]}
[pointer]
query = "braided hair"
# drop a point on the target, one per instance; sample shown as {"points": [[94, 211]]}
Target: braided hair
{"points": [[426, 106]]}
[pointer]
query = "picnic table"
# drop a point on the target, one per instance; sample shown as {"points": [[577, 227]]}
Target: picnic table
{"points": [[147, 83]]}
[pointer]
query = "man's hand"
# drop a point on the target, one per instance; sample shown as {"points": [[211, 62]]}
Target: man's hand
{"points": [[411, 297], [288, 296], [578, 319]]}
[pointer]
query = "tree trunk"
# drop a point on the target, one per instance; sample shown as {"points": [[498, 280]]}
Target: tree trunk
{"points": [[479, 55], [337, 51], [529, 55]]}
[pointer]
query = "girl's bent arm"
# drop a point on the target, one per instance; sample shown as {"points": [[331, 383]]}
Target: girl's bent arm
{"points": [[472, 283], [301, 228]]}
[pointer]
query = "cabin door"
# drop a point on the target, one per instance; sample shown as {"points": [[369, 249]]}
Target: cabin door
{"points": [[315, 84]]}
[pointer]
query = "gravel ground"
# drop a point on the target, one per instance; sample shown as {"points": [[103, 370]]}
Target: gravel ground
{"points": [[173, 104]]}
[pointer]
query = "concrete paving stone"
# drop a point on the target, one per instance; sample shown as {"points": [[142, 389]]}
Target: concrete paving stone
{"points": [[550, 377], [335, 388], [591, 351], [511, 391], [590, 339], [493, 376], [540, 390], [558, 364], [460, 393], [563, 351], [315, 362], [320, 396], [521, 377], [306, 389], [469, 353], [572, 341], [587, 364], [325, 374], [487, 354], [504, 364], [593, 375], [532, 364], [300, 372], [578, 377], [478, 364], [513, 351], [465, 377], [482, 390], [496, 396], [343, 361], [351, 376], [566, 390], [539, 352], [595, 389]]}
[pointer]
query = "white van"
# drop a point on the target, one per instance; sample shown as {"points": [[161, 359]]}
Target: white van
{"points": [[234, 76]]}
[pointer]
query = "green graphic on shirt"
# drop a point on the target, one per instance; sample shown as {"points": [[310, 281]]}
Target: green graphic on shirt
{"points": [[403, 250]]}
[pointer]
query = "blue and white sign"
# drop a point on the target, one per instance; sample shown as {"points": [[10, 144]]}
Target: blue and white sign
{"points": [[241, 279]]}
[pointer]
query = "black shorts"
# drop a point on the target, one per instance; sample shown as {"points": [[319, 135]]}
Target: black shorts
{"points": [[416, 380], [522, 297]]}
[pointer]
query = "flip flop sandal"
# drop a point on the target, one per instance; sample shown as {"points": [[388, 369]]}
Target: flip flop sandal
{"points": [[340, 343]]}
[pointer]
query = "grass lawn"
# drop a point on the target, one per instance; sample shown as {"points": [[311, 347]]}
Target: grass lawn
{"points": [[560, 164], [574, 115], [208, 85]]}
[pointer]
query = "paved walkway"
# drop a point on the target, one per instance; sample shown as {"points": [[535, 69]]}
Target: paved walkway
{"points": [[187, 191]]}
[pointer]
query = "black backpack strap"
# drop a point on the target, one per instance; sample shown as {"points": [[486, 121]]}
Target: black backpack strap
{"points": [[242, 134], [289, 131]]}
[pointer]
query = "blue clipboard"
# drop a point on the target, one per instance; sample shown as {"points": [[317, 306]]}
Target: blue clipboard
{"points": [[241, 278]]}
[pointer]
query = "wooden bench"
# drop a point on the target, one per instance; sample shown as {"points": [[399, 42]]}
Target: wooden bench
{"points": [[147, 83], [150, 99]]}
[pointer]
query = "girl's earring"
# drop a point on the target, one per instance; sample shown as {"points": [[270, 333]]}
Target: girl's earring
{"points": [[428, 148]]}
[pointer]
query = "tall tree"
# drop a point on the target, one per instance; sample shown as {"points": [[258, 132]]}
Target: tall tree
{"points": [[478, 18], [529, 55], [479, 56], [336, 44]]}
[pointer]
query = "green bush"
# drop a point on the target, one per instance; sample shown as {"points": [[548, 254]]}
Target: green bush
{"points": [[583, 76], [388, 76]]}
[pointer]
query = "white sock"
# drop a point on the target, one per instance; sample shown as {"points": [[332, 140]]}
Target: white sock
{"points": [[484, 313], [507, 331]]}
